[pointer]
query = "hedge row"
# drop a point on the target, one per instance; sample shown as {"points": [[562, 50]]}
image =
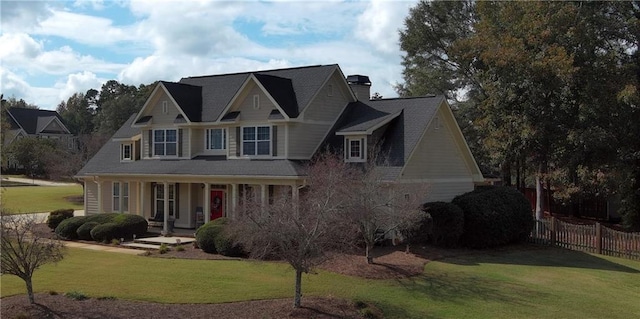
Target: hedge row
{"points": [[57, 216], [102, 227]]}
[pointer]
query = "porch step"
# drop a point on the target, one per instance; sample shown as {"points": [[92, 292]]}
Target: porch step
{"points": [[171, 241], [141, 245]]}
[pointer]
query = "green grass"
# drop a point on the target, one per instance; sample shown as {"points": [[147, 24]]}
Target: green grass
{"points": [[545, 283], [39, 199]]}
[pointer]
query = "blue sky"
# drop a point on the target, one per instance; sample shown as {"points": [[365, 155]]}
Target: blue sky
{"points": [[52, 49]]}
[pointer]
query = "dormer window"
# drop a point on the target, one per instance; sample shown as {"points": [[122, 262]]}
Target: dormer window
{"points": [[355, 149], [165, 142], [126, 152]]}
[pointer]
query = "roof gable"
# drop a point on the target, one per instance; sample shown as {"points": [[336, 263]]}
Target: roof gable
{"points": [[281, 90], [187, 98], [33, 121]]}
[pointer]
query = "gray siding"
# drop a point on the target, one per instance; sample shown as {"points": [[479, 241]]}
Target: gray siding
{"points": [[326, 107], [244, 104], [91, 197], [445, 191], [197, 141], [304, 138]]}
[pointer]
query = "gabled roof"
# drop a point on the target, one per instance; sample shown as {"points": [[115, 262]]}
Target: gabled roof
{"points": [[292, 88], [33, 121], [188, 97], [364, 119]]}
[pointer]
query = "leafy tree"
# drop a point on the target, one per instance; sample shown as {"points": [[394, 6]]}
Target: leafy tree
{"points": [[116, 104], [25, 248], [77, 114], [31, 153]]}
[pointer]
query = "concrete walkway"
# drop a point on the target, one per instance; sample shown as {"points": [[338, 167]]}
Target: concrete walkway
{"points": [[35, 181], [111, 249]]}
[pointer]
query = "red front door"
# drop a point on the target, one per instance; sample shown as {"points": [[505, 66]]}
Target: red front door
{"points": [[217, 204]]}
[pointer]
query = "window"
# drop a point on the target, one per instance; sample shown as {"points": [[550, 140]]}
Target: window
{"points": [[165, 142], [256, 101], [355, 149], [216, 139], [126, 152], [159, 201], [256, 140], [120, 197]]}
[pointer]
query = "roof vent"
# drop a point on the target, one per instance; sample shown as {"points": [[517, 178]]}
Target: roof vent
{"points": [[359, 80]]}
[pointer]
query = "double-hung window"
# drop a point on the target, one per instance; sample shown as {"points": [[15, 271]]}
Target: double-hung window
{"points": [[355, 150], [126, 152], [120, 197], [256, 140], [216, 139], [160, 199], [165, 142]]}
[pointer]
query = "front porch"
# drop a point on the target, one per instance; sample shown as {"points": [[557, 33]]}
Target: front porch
{"points": [[188, 204]]}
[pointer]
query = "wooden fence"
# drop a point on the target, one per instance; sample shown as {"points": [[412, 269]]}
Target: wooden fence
{"points": [[590, 238]]}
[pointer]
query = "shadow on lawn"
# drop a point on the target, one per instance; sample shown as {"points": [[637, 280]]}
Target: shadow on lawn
{"points": [[530, 255]]}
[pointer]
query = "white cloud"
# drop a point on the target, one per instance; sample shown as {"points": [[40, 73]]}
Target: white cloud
{"points": [[85, 29], [20, 16], [78, 82], [18, 46], [380, 22]]}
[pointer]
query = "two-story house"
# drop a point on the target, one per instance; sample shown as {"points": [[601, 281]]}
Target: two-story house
{"points": [[29, 122], [201, 144]]}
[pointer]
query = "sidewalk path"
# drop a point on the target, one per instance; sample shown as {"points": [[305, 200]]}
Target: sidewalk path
{"points": [[36, 181], [105, 248]]}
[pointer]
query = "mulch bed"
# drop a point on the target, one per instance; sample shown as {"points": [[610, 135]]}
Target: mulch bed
{"points": [[58, 306]]}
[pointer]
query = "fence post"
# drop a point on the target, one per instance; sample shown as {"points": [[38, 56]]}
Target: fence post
{"points": [[553, 231], [598, 238]]}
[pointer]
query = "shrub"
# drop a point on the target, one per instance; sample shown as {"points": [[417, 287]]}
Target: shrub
{"points": [[57, 216], [104, 232], [128, 225], [226, 245], [67, 229], [494, 216], [206, 236], [84, 231], [447, 223], [180, 248], [163, 248]]}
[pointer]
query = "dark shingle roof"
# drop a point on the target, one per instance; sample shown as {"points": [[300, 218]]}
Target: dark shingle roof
{"points": [[282, 91], [188, 97], [29, 119], [218, 90], [126, 131]]}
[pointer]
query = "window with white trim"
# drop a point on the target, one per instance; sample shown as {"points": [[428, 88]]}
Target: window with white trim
{"points": [[120, 197], [355, 150], [126, 152], [216, 139], [160, 199], [165, 142], [256, 140]]}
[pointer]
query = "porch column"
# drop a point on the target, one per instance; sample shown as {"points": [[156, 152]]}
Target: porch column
{"points": [[141, 199], [264, 194], [165, 223], [99, 196], [207, 202], [234, 199]]}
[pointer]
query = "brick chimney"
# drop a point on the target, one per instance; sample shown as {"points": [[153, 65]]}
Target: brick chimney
{"points": [[361, 86]]}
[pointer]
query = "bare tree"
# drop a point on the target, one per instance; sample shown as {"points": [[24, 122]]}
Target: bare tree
{"points": [[25, 249], [379, 207], [301, 231]]}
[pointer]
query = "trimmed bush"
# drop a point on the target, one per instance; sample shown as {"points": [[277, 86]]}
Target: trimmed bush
{"points": [[226, 246], [104, 232], [67, 229], [57, 216], [206, 236], [84, 231], [494, 216], [129, 225], [447, 223]]}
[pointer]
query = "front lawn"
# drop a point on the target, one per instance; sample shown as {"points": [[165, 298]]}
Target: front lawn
{"points": [[532, 283], [40, 199]]}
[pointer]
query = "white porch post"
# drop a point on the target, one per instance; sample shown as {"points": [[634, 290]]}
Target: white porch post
{"points": [[234, 199], [165, 224], [99, 196], [207, 202], [263, 197], [141, 199]]}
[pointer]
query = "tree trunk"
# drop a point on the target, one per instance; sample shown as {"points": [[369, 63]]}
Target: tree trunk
{"points": [[29, 290], [368, 254], [407, 249], [506, 172], [539, 195], [298, 297]]}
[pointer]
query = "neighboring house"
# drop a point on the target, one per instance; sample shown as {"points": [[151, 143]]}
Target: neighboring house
{"points": [[27, 122], [199, 145]]}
